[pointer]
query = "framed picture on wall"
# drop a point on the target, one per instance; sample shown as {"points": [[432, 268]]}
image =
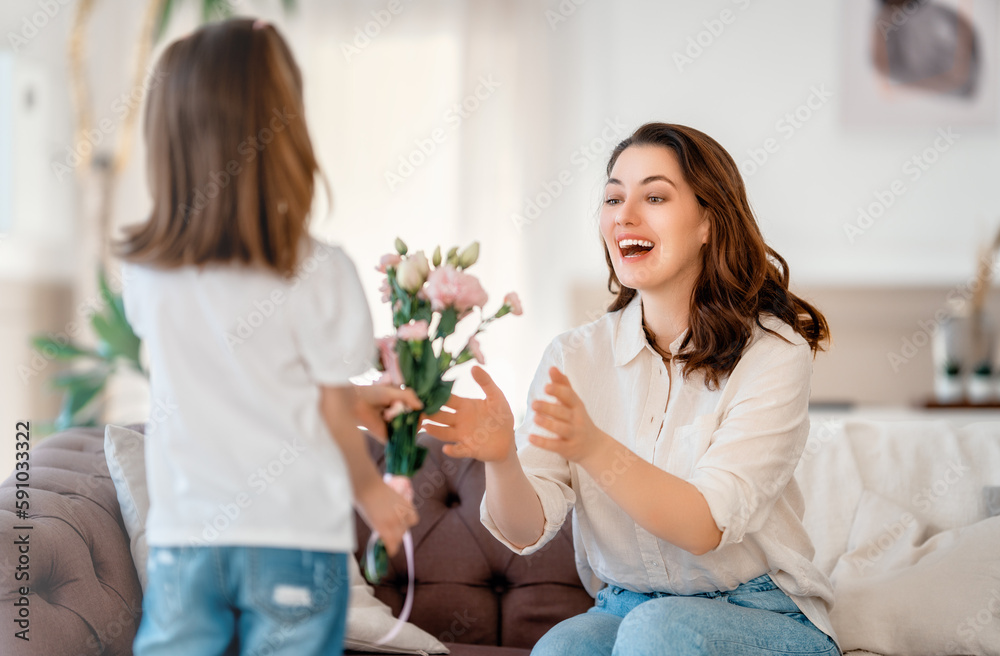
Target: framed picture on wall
{"points": [[920, 63]]}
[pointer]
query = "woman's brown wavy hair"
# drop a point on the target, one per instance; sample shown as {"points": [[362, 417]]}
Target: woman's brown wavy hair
{"points": [[231, 166], [741, 276]]}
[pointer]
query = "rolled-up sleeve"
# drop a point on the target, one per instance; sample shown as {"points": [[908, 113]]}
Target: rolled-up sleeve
{"points": [[753, 453], [549, 473]]}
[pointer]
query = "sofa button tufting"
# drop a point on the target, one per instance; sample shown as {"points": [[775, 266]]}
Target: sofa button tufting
{"points": [[452, 500]]}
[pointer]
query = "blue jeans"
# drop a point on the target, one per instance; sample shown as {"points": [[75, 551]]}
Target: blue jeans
{"points": [[755, 619], [251, 601]]}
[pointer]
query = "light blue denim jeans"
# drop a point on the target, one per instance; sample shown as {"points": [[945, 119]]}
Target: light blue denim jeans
{"points": [[251, 601], [755, 619]]}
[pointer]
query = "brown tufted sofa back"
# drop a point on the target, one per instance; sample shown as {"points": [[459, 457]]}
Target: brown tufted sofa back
{"points": [[470, 588], [86, 600]]}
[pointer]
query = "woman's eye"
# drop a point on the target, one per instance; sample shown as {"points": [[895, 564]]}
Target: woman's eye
{"points": [[611, 201], [655, 199]]}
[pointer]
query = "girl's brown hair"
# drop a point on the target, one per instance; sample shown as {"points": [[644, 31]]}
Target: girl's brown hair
{"points": [[231, 165], [741, 276]]}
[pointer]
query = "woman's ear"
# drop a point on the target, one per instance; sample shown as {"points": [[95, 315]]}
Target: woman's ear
{"points": [[705, 227]]}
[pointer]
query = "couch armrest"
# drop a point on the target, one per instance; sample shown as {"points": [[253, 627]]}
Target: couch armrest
{"points": [[84, 593]]}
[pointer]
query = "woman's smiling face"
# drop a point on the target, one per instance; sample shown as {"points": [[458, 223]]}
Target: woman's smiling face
{"points": [[651, 221]]}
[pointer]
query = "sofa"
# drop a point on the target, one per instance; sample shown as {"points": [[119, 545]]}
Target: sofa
{"points": [[883, 490], [85, 598]]}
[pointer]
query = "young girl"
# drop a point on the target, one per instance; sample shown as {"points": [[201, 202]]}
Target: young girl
{"points": [[670, 427], [253, 331]]}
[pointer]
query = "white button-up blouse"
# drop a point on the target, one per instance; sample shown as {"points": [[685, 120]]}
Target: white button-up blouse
{"points": [[738, 444]]}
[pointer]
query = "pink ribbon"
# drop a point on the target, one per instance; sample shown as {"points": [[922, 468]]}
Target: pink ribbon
{"points": [[403, 486]]}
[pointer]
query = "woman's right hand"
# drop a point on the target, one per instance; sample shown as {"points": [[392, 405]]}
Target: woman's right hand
{"points": [[477, 428]]}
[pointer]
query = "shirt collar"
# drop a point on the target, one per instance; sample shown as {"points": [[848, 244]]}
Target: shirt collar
{"points": [[630, 339]]}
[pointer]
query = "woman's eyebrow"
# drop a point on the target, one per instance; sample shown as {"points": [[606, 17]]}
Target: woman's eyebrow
{"points": [[652, 178]]}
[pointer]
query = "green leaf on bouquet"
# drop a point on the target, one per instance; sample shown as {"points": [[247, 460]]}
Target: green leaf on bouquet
{"points": [[405, 362], [419, 457], [438, 397], [449, 319], [422, 311], [427, 374]]}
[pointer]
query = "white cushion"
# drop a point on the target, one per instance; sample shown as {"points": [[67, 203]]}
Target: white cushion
{"points": [[368, 619], [123, 449], [898, 591]]}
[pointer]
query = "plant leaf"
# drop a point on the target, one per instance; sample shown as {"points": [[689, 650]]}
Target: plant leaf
{"points": [[438, 397], [114, 328], [115, 302], [71, 380], [117, 340], [77, 397], [405, 362], [427, 374], [46, 345], [422, 312], [449, 318], [163, 20]]}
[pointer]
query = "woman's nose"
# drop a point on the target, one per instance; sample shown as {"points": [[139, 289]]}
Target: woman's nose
{"points": [[626, 214]]}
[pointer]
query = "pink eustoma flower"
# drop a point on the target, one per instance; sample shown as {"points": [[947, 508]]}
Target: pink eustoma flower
{"points": [[449, 287], [390, 360], [476, 352], [397, 408], [388, 260], [514, 302], [413, 332]]}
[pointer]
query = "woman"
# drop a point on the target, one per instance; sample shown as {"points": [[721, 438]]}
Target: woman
{"points": [[671, 426]]}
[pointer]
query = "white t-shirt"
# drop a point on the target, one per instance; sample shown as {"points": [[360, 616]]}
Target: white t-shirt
{"points": [[738, 444], [237, 452]]}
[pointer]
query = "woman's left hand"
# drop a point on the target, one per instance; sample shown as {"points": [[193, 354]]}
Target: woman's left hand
{"points": [[577, 438], [373, 402]]}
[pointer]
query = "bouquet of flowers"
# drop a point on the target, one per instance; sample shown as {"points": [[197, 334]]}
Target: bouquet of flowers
{"points": [[428, 300]]}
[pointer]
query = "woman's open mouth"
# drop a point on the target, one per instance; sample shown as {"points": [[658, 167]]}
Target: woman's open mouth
{"points": [[634, 249]]}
